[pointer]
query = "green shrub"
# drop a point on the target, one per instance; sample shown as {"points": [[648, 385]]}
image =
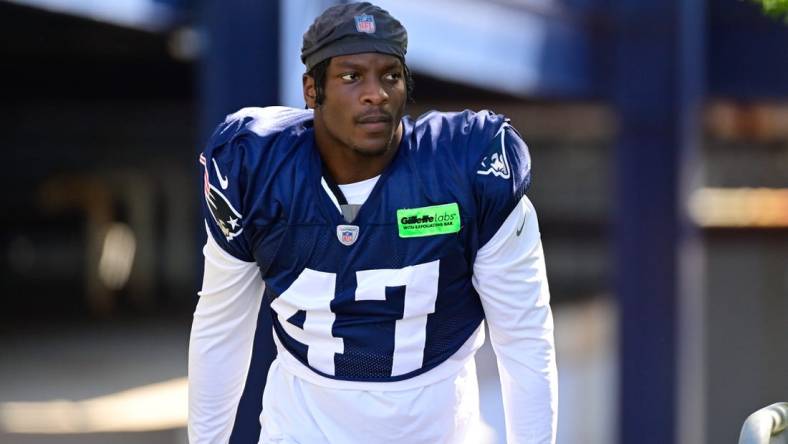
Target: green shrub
{"points": [[775, 8]]}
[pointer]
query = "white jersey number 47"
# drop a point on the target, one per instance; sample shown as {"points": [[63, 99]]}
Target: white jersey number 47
{"points": [[313, 292]]}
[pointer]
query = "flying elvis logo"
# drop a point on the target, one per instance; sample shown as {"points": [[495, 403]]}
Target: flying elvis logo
{"points": [[496, 163], [227, 218]]}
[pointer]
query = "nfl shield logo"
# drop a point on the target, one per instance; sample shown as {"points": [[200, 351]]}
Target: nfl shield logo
{"points": [[347, 234], [365, 23]]}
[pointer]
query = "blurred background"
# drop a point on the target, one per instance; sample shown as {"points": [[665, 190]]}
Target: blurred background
{"points": [[659, 136]]}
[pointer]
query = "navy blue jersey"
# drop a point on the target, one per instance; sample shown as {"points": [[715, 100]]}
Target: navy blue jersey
{"points": [[388, 295]]}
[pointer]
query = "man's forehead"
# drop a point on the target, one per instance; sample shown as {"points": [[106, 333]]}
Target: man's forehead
{"points": [[366, 60]]}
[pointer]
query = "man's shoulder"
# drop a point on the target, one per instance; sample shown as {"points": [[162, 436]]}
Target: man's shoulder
{"points": [[460, 122], [247, 153], [255, 138], [264, 122], [479, 153], [253, 145], [461, 129], [462, 135]]}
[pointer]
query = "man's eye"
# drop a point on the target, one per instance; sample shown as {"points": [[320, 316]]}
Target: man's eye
{"points": [[393, 76], [349, 77]]}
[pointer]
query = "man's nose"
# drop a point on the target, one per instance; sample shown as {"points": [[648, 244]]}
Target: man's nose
{"points": [[374, 93]]}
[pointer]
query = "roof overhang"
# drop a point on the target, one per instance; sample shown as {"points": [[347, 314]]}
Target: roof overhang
{"points": [[146, 15], [524, 48]]}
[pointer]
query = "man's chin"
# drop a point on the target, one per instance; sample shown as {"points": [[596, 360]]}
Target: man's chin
{"points": [[373, 147], [371, 150], [375, 144]]}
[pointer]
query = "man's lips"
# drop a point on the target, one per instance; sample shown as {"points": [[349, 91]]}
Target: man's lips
{"points": [[374, 122], [374, 118]]}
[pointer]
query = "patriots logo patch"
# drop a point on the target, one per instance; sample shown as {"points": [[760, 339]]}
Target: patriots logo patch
{"points": [[227, 218], [495, 162]]}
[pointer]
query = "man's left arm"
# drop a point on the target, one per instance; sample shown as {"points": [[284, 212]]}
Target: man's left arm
{"points": [[509, 275]]}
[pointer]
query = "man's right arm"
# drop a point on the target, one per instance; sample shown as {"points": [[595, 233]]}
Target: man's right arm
{"points": [[223, 329], [220, 346], [226, 317]]}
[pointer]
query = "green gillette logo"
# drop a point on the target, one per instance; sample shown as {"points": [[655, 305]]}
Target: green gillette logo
{"points": [[428, 221]]}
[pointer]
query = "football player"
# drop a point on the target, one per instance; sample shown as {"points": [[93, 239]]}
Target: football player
{"points": [[378, 244]]}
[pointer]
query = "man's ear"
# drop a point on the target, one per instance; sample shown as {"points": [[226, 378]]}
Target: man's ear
{"points": [[310, 93]]}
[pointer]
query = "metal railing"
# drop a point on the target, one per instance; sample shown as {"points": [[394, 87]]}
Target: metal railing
{"points": [[766, 426]]}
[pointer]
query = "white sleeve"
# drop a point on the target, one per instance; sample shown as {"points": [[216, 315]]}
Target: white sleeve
{"points": [[509, 275], [220, 346]]}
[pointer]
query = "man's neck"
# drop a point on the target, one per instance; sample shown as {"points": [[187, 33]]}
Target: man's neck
{"points": [[348, 166]]}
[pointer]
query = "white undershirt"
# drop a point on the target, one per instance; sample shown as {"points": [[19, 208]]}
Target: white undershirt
{"points": [[357, 193], [436, 406]]}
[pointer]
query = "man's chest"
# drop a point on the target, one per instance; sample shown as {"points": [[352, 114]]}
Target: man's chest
{"points": [[377, 296], [404, 221], [389, 232], [385, 295]]}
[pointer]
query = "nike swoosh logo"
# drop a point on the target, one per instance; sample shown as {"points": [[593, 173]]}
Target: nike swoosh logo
{"points": [[222, 180], [520, 230]]}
